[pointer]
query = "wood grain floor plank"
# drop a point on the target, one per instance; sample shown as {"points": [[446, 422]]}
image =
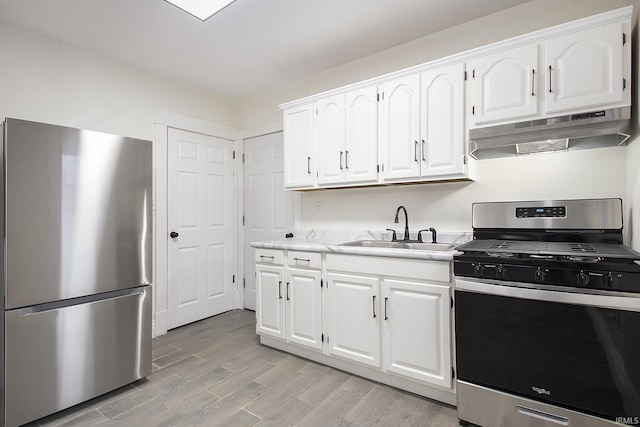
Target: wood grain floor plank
{"points": [[224, 408], [373, 406], [269, 404], [239, 379], [215, 372], [322, 386], [240, 418]]}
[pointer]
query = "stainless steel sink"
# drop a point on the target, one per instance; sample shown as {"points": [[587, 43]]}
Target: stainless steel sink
{"points": [[400, 245]]}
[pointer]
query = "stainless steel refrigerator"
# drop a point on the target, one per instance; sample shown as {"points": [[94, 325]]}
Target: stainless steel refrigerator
{"points": [[76, 266]]}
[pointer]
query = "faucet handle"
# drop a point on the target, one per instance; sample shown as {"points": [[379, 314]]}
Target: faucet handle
{"points": [[433, 234], [394, 237]]}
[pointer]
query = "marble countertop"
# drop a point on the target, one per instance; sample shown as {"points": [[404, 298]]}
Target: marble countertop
{"points": [[330, 243]]}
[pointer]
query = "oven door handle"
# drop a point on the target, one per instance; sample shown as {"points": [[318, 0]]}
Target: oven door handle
{"points": [[627, 302], [545, 416]]}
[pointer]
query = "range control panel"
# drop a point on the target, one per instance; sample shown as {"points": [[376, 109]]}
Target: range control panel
{"points": [[541, 212]]}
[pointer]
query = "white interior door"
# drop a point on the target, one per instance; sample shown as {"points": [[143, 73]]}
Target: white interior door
{"points": [[268, 209], [201, 217]]}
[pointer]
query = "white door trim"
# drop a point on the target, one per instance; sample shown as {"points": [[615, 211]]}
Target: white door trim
{"points": [[165, 120]]}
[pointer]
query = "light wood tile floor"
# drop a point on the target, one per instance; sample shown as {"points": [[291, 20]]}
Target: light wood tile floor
{"points": [[215, 372]]}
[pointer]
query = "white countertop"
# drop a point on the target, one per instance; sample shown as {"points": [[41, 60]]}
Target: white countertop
{"points": [[306, 245]]}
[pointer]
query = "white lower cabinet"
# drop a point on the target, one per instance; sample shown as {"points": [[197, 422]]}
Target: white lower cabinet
{"points": [[289, 299], [353, 325], [304, 308], [389, 318], [270, 314], [416, 338]]}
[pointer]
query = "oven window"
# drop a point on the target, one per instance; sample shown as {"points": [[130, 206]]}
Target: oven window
{"points": [[582, 358]]}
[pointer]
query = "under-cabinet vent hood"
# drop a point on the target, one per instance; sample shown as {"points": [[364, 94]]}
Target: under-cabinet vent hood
{"points": [[604, 128]]}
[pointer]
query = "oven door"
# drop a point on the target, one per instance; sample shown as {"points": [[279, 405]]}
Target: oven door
{"points": [[573, 350]]}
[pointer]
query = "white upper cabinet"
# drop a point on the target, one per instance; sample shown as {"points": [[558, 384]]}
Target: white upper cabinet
{"points": [[579, 71], [401, 128], [506, 85], [423, 125], [346, 137], [298, 147], [442, 121], [361, 145], [411, 126], [586, 69], [329, 128]]}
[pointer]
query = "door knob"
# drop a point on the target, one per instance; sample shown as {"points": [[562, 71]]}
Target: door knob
{"points": [[173, 234]]}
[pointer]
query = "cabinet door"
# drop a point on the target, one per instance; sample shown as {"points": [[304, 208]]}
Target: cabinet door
{"points": [[442, 125], [329, 139], [361, 150], [298, 147], [506, 85], [353, 318], [270, 314], [585, 69], [401, 128], [304, 307], [416, 330]]}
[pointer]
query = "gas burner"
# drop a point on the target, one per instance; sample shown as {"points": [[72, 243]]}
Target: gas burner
{"points": [[581, 247], [583, 258], [502, 254], [501, 245]]}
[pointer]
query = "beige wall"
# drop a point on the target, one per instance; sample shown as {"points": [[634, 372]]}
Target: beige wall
{"points": [[447, 206], [49, 81]]}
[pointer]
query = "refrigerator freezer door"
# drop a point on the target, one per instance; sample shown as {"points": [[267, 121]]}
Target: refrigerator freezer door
{"points": [[58, 358], [78, 212]]}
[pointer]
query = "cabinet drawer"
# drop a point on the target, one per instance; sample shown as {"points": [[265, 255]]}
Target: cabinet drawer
{"points": [[420, 269], [304, 259], [270, 256]]}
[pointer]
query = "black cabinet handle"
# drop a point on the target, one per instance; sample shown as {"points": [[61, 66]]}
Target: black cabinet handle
{"points": [[280, 289], [533, 79], [341, 161], [346, 159], [287, 291], [550, 79], [386, 300], [309, 165], [424, 159], [173, 234], [415, 151], [374, 307]]}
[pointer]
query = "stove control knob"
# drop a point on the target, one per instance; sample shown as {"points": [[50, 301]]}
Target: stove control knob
{"points": [[539, 275], [583, 278], [501, 272], [478, 270], [608, 280]]}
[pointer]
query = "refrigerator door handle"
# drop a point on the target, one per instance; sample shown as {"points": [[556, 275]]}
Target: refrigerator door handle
{"points": [[56, 305]]}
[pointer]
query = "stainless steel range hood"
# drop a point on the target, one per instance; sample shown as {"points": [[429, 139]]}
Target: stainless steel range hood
{"points": [[603, 128]]}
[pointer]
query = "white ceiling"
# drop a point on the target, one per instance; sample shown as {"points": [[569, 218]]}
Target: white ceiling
{"points": [[248, 47]]}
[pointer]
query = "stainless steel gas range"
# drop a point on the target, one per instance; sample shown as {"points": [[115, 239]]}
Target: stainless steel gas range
{"points": [[548, 316]]}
